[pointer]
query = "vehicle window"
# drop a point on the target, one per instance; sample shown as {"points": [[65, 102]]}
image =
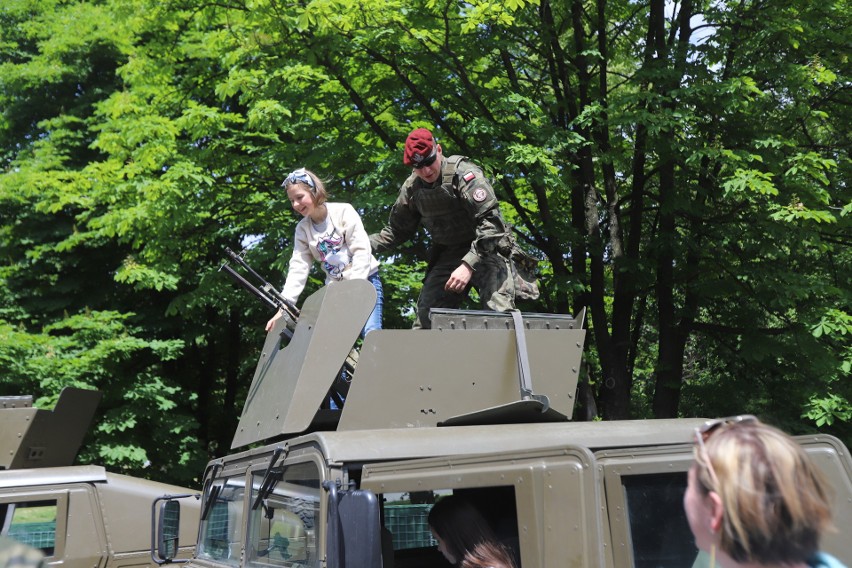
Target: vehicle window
{"points": [[221, 529], [32, 523], [283, 528], [659, 531], [406, 518]]}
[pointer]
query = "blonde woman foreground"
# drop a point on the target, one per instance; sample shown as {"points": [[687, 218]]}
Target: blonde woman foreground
{"points": [[755, 499]]}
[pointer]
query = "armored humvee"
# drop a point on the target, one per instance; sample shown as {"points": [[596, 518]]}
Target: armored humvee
{"points": [[77, 516], [479, 406]]}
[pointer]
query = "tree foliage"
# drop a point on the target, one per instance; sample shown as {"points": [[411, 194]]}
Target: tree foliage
{"points": [[680, 168]]}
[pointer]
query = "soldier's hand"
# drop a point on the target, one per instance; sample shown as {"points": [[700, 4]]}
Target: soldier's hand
{"points": [[459, 279]]}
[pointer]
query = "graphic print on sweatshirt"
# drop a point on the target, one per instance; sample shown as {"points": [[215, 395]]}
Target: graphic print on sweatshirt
{"points": [[334, 254]]}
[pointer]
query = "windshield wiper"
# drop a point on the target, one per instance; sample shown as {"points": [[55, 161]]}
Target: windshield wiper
{"points": [[270, 478], [214, 491]]}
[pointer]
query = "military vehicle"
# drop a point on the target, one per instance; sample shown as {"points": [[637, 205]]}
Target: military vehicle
{"points": [[77, 516], [478, 406]]}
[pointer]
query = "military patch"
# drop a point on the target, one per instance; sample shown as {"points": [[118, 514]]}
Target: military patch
{"points": [[469, 176], [479, 194]]}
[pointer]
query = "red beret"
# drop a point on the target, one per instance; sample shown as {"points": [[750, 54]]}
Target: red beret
{"points": [[419, 145]]}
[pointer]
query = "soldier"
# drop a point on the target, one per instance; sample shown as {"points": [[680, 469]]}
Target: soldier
{"points": [[471, 244]]}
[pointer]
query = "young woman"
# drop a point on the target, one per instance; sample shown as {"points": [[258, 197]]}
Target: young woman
{"points": [[331, 234], [755, 499]]}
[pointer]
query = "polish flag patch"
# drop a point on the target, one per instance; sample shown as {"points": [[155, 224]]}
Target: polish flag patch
{"points": [[469, 176]]}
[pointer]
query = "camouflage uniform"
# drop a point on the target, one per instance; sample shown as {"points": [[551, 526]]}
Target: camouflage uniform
{"points": [[462, 216]]}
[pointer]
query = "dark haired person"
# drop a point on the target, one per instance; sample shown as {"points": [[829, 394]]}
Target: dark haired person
{"points": [[464, 536]]}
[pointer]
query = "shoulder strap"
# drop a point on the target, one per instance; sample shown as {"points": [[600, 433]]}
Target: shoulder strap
{"points": [[449, 174]]}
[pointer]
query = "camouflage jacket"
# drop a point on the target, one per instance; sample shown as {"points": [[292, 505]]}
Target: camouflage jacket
{"points": [[458, 209]]}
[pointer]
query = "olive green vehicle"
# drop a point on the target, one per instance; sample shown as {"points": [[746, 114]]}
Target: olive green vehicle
{"points": [[479, 406], [77, 516]]}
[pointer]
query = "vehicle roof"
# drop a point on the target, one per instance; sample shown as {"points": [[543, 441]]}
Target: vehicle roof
{"points": [[52, 475], [122, 484], [409, 443]]}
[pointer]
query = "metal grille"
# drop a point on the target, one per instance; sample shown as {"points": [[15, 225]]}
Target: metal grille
{"points": [[409, 525], [37, 535]]}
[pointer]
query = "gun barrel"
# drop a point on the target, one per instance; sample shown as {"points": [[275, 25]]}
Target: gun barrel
{"points": [[265, 286], [249, 286], [239, 260]]}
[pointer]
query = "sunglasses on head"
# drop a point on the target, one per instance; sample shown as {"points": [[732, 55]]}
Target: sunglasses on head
{"points": [[299, 176], [703, 433], [428, 160]]}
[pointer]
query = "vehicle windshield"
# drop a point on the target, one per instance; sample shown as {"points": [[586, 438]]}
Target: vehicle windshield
{"points": [[283, 529], [221, 528]]}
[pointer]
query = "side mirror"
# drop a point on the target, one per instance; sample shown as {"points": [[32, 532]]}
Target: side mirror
{"points": [[165, 529], [168, 530], [354, 527]]}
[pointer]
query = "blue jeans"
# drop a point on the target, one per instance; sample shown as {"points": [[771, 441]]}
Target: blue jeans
{"points": [[373, 322], [375, 319]]}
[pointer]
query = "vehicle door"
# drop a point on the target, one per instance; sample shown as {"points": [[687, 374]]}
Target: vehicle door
{"points": [[39, 517], [643, 506], [834, 460], [644, 488], [543, 505]]}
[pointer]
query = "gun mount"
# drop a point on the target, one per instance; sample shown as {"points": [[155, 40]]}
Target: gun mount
{"points": [[260, 288], [32, 437], [472, 367]]}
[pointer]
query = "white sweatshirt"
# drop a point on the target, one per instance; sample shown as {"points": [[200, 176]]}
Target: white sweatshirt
{"points": [[340, 245]]}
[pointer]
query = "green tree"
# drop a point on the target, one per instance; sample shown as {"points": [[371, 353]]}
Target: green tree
{"points": [[681, 170]]}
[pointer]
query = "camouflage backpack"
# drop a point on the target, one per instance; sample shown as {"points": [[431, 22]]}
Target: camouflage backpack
{"points": [[525, 272], [524, 265]]}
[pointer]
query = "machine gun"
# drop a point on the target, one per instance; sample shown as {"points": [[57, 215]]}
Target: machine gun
{"points": [[263, 290], [267, 294]]}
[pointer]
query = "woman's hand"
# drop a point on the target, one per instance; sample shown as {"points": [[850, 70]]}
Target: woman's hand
{"points": [[271, 323]]}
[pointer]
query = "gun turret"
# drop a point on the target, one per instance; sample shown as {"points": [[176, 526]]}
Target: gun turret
{"points": [[34, 437], [267, 294], [471, 368]]}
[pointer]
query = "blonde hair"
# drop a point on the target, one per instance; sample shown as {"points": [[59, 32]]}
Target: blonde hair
{"points": [[776, 503]]}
